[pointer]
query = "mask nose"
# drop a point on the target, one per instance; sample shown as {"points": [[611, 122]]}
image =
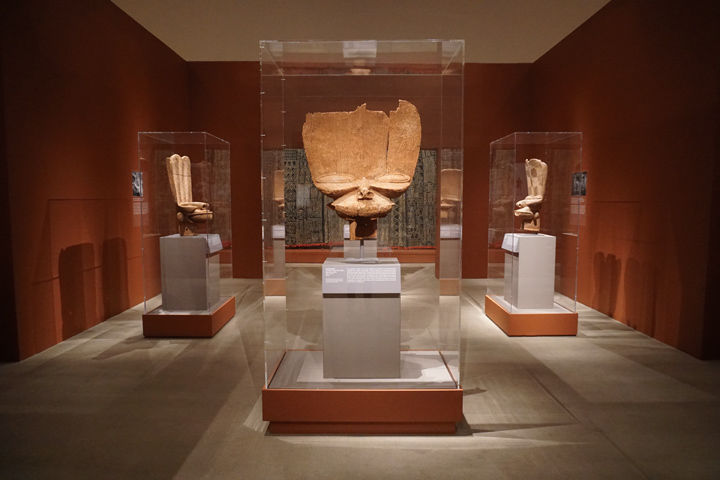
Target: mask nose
{"points": [[364, 192]]}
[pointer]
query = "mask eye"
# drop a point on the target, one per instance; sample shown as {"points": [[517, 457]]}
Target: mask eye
{"points": [[336, 178], [336, 185], [394, 178]]}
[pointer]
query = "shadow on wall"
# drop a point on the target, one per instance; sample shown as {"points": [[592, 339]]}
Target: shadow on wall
{"points": [[76, 273], [606, 269], [82, 285], [115, 277], [87, 255], [640, 289]]}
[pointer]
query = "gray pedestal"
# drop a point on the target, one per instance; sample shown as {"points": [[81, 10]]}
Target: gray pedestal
{"points": [[529, 270], [278, 255], [450, 247], [190, 272], [361, 318], [357, 249]]}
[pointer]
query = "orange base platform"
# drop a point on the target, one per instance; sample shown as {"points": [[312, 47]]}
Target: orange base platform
{"points": [[188, 325], [274, 287], [531, 324], [391, 411], [450, 286]]}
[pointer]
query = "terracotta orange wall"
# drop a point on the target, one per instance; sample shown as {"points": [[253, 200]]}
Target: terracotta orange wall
{"points": [[496, 103], [79, 80], [225, 101], [642, 83]]}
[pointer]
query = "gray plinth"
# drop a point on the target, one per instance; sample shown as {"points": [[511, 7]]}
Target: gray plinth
{"points": [[361, 318], [190, 272], [450, 238], [357, 249], [529, 270]]}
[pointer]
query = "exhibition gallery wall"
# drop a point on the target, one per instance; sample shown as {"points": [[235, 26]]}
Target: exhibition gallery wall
{"points": [[80, 79]]}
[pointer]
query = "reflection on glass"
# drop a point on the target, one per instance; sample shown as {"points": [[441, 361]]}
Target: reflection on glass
{"points": [[406, 309]]}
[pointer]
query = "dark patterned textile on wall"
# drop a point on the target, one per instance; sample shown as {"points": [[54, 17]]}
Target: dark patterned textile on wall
{"points": [[309, 222]]}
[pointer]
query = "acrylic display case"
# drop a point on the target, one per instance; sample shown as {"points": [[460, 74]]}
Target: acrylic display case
{"points": [[362, 335], [183, 181], [536, 206]]}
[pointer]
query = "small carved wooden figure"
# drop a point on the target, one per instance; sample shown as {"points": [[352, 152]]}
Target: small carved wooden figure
{"points": [[528, 209], [450, 193], [189, 213], [363, 159]]}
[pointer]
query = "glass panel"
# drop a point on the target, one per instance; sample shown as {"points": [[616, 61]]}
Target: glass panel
{"points": [[416, 329], [185, 220], [551, 230]]}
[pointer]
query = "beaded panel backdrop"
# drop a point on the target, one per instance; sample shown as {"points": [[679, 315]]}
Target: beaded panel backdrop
{"points": [[309, 222]]}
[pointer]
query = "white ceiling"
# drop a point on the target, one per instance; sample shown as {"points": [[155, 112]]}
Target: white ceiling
{"points": [[495, 31]]}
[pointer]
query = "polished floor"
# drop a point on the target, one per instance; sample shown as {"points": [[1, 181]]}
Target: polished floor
{"points": [[609, 403]]}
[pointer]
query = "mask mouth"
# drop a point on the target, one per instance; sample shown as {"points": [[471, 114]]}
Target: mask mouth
{"points": [[372, 205]]}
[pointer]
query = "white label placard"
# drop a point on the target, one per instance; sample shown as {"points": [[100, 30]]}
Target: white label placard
{"points": [[365, 274], [333, 275]]}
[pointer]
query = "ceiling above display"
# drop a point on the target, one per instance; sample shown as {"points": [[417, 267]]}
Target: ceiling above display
{"points": [[495, 31]]}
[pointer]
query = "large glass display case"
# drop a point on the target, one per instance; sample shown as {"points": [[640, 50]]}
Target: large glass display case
{"points": [[362, 208], [183, 181], [536, 206]]}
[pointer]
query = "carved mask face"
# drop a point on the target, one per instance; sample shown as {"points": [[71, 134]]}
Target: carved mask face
{"points": [[363, 159]]}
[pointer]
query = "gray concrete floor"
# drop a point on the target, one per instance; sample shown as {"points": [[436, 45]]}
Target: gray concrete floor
{"points": [[609, 403]]}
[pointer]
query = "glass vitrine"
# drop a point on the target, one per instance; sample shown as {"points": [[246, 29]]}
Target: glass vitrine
{"points": [[349, 309], [183, 181], [536, 206]]}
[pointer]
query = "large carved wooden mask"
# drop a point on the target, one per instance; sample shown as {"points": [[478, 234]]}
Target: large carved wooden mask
{"points": [[363, 158]]}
